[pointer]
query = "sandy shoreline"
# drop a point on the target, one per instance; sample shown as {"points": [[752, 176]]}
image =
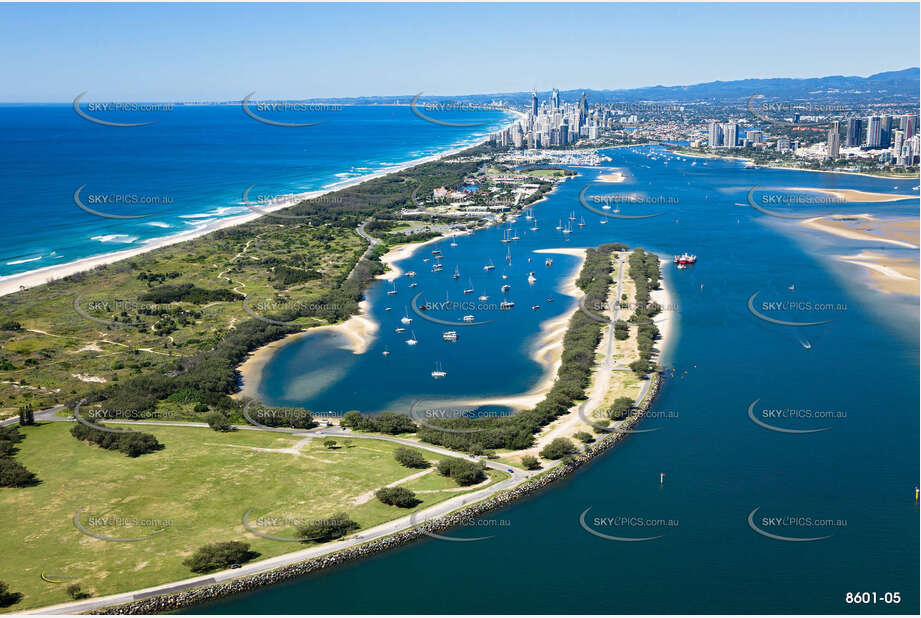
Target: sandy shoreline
{"points": [[32, 278], [888, 274], [853, 195], [842, 226]]}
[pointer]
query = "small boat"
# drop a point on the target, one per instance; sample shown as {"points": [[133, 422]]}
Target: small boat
{"points": [[406, 319], [399, 329], [456, 274], [412, 340], [453, 240], [483, 298], [516, 236], [449, 335], [531, 277], [534, 227], [489, 266], [469, 290], [468, 318], [426, 259], [411, 274], [505, 288], [560, 226], [436, 252], [604, 221], [505, 305], [567, 229], [581, 221], [572, 215], [792, 288], [387, 309], [438, 372], [685, 259], [606, 207], [505, 237], [393, 289], [549, 300], [504, 276], [437, 268], [548, 262], [386, 352], [508, 256], [413, 284], [528, 216]]}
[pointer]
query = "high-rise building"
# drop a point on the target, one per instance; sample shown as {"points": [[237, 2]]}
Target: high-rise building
{"points": [[534, 103], [555, 99], [898, 140], [908, 124], [730, 135], [783, 143], [852, 138], [874, 132], [583, 106], [755, 136], [834, 138], [715, 135], [885, 131]]}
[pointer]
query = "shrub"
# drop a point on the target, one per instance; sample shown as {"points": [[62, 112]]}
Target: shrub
{"points": [[14, 474], [76, 592], [132, 444], [10, 325], [557, 449], [621, 330], [410, 458], [530, 462], [216, 556], [584, 436], [385, 422], [218, 422], [200, 407], [8, 598], [329, 443], [323, 530], [397, 496], [463, 472], [620, 409]]}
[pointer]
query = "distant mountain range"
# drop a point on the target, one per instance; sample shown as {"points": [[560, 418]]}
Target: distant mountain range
{"points": [[892, 85]]}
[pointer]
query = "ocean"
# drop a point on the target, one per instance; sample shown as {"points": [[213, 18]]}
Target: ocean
{"points": [[838, 349], [187, 169]]}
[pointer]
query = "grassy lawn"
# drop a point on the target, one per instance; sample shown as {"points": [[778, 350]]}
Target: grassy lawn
{"points": [[192, 492]]}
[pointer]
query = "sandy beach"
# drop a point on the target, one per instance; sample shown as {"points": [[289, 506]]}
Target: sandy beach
{"points": [[612, 177], [853, 195], [28, 279], [889, 274], [856, 227]]}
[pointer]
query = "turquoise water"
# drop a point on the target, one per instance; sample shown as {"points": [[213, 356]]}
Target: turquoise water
{"points": [[189, 168], [718, 464]]}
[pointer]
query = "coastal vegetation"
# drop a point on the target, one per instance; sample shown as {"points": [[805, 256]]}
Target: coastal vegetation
{"points": [[410, 458], [558, 448], [133, 444], [644, 270], [13, 473], [327, 528], [217, 556], [462, 471], [397, 496]]}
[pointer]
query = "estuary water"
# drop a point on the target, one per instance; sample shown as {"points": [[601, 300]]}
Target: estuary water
{"points": [[728, 521]]}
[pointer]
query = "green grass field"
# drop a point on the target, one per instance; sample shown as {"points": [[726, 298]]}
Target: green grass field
{"points": [[194, 491]]}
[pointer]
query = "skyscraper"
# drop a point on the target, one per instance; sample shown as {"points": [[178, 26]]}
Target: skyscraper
{"points": [[874, 128], [715, 134], [555, 99], [833, 140], [534, 103], [908, 124], [885, 131], [852, 138], [730, 135], [583, 106]]}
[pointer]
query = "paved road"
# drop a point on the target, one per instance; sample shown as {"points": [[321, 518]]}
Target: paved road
{"points": [[385, 529], [372, 243]]}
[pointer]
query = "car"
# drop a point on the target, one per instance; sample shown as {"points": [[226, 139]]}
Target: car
{"points": [[235, 566], [511, 471]]}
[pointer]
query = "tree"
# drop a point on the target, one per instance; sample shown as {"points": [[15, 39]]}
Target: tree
{"points": [[584, 436], [14, 474], [214, 556], [620, 409], [76, 592], [26, 415], [557, 449], [218, 422], [329, 443], [8, 598], [530, 462], [410, 458], [463, 471], [397, 496], [322, 530]]}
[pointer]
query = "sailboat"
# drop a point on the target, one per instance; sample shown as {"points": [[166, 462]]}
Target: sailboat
{"points": [[438, 372], [406, 319], [483, 297], [453, 240], [560, 226], [386, 352], [534, 227], [567, 229], [531, 278], [489, 266], [528, 216], [581, 221], [572, 215], [456, 274], [505, 288], [469, 289], [508, 256], [516, 236], [505, 237], [412, 339], [393, 288]]}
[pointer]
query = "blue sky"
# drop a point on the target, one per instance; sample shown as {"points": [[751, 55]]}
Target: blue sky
{"points": [[165, 52]]}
